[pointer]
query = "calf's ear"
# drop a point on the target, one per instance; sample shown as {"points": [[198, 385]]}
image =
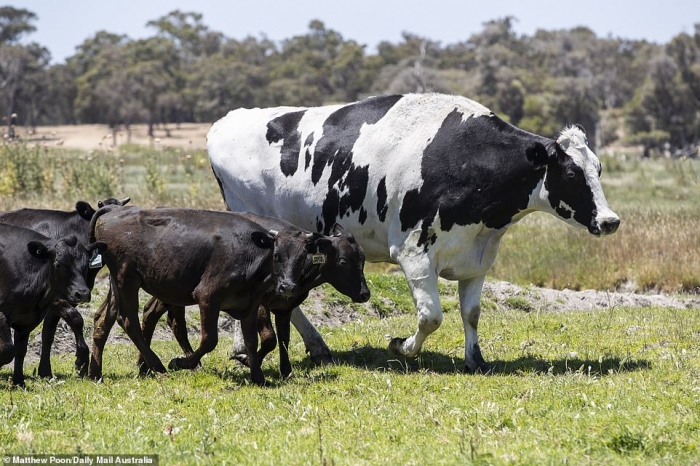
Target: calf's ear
{"points": [[263, 240], [85, 210], [324, 245], [101, 246], [38, 249], [338, 229]]}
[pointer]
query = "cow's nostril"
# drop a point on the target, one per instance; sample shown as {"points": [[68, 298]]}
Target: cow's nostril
{"points": [[610, 226]]}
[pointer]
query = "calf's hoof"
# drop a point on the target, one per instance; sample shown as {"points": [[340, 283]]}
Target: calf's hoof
{"points": [[81, 365], [44, 372], [477, 365]]}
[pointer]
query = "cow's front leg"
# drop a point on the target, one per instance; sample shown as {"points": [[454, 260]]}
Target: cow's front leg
{"points": [[7, 347], [75, 321], [422, 281], [313, 341], [470, 306], [21, 342], [249, 327]]}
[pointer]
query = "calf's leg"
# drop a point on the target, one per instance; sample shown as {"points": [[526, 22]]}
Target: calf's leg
{"points": [[282, 322], [209, 321], [48, 333], [470, 307], [7, 347], [61, 309], [21, 341], [104, 319]]}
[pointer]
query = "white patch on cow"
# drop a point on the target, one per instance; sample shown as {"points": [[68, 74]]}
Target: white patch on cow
{"points": [[565, 206]]}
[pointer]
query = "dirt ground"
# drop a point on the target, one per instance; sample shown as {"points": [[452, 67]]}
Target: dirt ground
{"points": [[95, 137]]}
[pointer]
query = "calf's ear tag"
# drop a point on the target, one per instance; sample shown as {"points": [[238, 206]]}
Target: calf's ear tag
{"points": [[318, 259], [96, 260]]}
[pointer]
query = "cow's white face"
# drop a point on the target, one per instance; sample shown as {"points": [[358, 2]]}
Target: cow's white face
{"points": [[573, 185]]}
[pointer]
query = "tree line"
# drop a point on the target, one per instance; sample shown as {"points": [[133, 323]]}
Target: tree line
{"points": [[644, 93]]}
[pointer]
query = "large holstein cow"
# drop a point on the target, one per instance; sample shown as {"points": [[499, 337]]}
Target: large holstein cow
{"points": [[35, 271], [428, 181]]}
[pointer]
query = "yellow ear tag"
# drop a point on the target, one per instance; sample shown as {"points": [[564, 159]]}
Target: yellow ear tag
{"points": [[318, 259]]}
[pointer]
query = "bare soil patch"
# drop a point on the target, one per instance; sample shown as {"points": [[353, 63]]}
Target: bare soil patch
{"points": [[99, 137]]}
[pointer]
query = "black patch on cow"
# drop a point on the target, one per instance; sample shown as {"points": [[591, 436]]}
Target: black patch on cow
{"points": [[334, 149], [382, 206], [307, 146], [285, 127], [363, 216], [478, 170]]}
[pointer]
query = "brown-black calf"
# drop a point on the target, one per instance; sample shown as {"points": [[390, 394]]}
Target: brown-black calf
{"points": [[217, 260], [35, 271], [59, 224], [311, 260]]}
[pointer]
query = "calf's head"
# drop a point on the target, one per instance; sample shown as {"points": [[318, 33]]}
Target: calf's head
{"points": [[67, 260], [572, 183], [305, 260]]}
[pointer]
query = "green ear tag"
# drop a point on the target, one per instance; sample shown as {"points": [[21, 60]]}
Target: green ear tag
{"points": [[318, 259]]}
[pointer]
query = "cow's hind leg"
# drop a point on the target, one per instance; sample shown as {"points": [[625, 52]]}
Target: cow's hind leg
{"points": [[104, 319], [424, 289], [209, 338], [470, 306], [127, 298]]}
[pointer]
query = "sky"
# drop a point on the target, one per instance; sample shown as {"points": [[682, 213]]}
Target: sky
{"points": [[64, 24]]}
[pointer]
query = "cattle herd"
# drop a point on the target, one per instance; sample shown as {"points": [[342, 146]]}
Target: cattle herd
{"points": [[428, 181]]}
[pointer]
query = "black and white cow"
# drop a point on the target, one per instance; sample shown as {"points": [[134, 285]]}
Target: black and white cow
{"points": [[428, 181]]}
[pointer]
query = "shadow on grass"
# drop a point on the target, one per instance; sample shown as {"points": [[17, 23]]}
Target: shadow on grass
{"points": [[371, 357]]}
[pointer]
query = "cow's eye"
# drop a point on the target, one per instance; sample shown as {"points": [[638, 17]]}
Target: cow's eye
{"points": [[570, 174]]}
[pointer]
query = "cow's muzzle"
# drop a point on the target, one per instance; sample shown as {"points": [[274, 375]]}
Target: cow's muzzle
{"points": [[80, 296], [606, 226]]}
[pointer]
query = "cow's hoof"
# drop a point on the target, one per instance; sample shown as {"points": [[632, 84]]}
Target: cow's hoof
{"points": [[241, 358], [478, 365], [81, 368], [175, 364], [482, 368], [395, 346], [322, 358], [45, 373]]}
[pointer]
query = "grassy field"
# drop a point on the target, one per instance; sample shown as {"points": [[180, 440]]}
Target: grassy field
{"points": [[607, 386]]}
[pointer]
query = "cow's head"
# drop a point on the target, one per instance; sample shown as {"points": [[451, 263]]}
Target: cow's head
{"points": [[572, 184], [306, 260], [86, 211], [68, 264]]}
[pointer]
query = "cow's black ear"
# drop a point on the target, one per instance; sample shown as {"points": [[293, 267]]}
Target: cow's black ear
{"points": [[324, 245], [38, 249], [537, 154], [85, 210], [263, 240], [125, 201]]}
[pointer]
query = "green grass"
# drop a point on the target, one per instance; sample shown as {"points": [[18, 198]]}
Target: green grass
{"points": [[614, 386]]}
